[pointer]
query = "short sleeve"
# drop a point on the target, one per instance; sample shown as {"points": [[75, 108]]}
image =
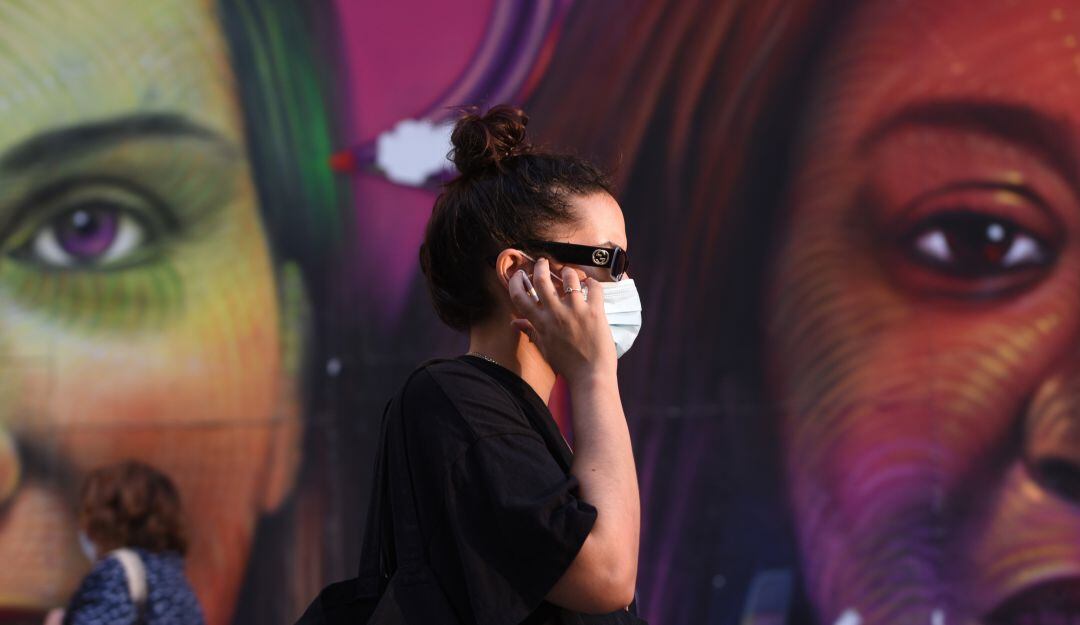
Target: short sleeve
{"points": [[102, 598], [518, 524]]}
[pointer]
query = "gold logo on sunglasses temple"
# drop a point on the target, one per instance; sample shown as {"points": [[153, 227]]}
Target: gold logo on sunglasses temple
{"points": [[600, 257]]}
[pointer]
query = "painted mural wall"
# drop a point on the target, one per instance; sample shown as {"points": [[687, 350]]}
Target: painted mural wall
{"points": [[854, 399]]}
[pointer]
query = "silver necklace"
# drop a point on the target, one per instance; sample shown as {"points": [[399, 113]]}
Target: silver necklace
{"points": [[484, 357]]}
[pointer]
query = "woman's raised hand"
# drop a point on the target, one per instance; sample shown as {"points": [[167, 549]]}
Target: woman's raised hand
{"points": [[571, 333]]}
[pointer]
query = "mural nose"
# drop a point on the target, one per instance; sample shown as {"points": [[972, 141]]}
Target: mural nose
{"points": [[1052, 437], [1060, 476], [10, 467]]}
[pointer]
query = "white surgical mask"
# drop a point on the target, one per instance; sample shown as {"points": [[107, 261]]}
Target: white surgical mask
{"points": [[88, 547], [622, 306]]}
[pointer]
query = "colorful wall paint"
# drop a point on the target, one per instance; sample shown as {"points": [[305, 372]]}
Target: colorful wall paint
{"points": [[853, 225]]}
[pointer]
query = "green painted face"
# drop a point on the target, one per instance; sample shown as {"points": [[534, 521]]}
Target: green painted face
{"points": [[139, 313]]}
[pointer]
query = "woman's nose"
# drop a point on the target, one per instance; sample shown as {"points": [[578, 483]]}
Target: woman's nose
{"points": [[10, 466], [1052, 436]]}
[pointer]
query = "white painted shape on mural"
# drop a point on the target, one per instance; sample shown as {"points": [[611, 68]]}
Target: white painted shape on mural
{"points": [[937, 617], [849, 617], [413, 151]]}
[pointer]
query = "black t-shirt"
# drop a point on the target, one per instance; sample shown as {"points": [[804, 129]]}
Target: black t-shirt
{"points": [[498, 507]]}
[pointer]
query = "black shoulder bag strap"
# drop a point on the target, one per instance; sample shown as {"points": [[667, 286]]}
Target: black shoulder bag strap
{"points": [[384, 550], [352, 601], [404, 527], [387, 562], [375, 567], [414, 595]]}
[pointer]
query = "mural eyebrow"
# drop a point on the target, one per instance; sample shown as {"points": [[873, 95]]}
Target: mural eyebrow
{"points": [[61, 143], [1047, 137]]}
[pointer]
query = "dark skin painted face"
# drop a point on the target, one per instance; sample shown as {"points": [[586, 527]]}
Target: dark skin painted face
{"points": [[925, 312]]}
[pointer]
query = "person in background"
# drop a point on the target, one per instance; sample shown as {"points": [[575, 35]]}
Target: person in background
{"points": [[131, 527]]}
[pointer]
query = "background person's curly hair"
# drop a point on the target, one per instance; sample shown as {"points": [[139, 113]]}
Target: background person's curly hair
{"points": [[132, 504]]}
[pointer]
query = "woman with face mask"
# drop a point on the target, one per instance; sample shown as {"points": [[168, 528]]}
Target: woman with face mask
{"points": [[131, 529], [526, 252]]}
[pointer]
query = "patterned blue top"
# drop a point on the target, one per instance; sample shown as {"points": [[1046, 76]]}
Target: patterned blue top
{"points": [[103, 599]]}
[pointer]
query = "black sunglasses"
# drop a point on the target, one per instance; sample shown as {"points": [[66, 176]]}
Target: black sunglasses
{"points": [[614, 259]]}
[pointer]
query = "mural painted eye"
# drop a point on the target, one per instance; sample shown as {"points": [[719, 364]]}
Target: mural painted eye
{"points": [[974, 245], [975, 242], [87, 236], [96, 227]]}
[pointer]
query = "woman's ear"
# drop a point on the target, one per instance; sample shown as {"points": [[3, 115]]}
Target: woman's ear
{"points": [[286, 426], [508, 263]]}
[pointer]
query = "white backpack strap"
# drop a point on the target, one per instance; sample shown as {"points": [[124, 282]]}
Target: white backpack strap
{"points": [[135, 573]]}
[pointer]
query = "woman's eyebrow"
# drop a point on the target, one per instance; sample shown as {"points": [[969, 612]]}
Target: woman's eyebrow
{"points": [[61, 143], [1050, 138]]}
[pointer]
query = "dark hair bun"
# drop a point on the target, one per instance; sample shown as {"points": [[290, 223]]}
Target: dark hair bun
{"points": [[482, 142]]}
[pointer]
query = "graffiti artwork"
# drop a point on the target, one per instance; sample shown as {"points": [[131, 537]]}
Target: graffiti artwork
{"points": [[854, 398]]}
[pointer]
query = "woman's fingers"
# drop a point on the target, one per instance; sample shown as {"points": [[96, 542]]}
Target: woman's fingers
{"points": [[572, 287], [596, 293], [522, 294], [541, 279]]}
